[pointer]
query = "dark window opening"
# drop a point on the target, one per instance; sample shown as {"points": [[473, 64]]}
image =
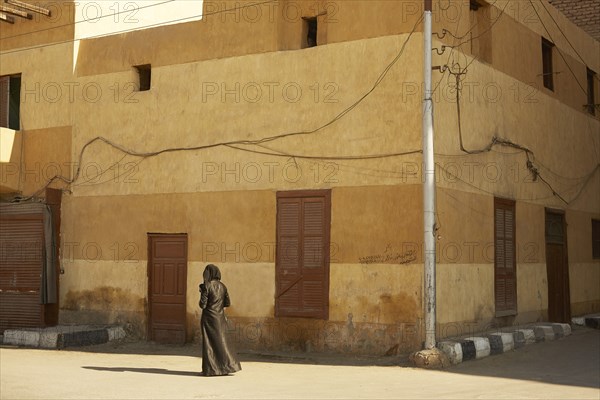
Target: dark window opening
{"points": [[595, 239], [547, 71], [505, 261], [481, 31], [311, 31], [10, 102], [145, 76], [474, 6], [591, 98]]}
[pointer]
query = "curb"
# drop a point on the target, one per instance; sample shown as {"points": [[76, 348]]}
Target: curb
{"points": [[476, 347], [591, 321], [60, 337]]}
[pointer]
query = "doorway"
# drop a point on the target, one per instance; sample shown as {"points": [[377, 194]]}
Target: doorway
{"points": [[167, 287], [557, 267]]}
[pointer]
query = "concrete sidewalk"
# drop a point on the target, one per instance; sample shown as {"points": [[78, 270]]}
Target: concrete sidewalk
{"points": [[456, 349], [61, 336], [500, 341], [561, 369]]}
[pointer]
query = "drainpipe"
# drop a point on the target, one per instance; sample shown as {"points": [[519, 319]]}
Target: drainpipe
{"points": [[429, 186]]}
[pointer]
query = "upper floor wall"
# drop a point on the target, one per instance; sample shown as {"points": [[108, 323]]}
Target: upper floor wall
{"points": [[505, 34], [101, 38]]}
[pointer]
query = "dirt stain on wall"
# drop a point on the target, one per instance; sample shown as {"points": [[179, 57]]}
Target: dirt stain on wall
{"points": [[389, 308], [103, 298]]}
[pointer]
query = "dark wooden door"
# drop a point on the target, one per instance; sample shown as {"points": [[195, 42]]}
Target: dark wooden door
{"points": [[167, 283], [557, 268]]}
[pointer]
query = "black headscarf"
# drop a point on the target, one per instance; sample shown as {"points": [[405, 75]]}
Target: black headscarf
{"points": [[211, 273]]}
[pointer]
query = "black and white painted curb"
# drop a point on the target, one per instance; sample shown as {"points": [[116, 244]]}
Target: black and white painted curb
{"points": [[476, 347], [62, 336], [591, 321]]}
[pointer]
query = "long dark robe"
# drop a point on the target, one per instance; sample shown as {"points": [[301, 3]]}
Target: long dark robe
{"points": [[218, 358]]}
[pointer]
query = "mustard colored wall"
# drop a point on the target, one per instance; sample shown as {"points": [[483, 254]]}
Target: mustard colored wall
{"points": [[42, 147], [584, 271], [221, 80], [513, 32], [301, 100], [41, 30], [236, 230], [41, 51], [37, 156]]}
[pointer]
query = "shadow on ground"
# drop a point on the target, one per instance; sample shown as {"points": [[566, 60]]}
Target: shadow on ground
{"points": [[194, 350], [573, 360], [144, 370]]}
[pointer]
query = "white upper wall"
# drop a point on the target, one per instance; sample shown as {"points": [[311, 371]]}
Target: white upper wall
{"points": [[95, 18], [107, 17]]}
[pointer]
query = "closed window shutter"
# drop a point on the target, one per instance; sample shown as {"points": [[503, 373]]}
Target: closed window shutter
{"points": [[505, 277], [289, 272], [302, 269], [4, 100]]}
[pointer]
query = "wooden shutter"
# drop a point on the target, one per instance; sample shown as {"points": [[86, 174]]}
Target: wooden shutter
{"points": [[302, 265], [4, 100], [21, 263], [505, 276]]}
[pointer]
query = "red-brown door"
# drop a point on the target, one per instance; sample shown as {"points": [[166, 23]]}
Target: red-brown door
{"points": [[557, 268], [167, 283]]}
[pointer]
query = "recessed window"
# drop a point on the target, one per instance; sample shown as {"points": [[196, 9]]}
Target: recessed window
{"points": [[145, 77], [547, 71], [596, 239], [10, 102], [591, 98], [481, 31], [310, 29], [474, 5]]}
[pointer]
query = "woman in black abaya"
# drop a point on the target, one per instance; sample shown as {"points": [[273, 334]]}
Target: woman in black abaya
{"points": [[217, 357]]}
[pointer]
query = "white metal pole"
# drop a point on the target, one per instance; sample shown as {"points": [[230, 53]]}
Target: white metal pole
{"points": [[429, 186]]}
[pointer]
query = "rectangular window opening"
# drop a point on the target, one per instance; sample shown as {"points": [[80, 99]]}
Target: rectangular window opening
{"points": [[474, 5], [481, 31], [145, 76], [595, 239], [547, 70], [591, 98], [310, 29], [10, 102]]}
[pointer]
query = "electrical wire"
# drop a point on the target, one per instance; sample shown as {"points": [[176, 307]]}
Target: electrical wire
{"points": [[454, 45], [563, 33], [135, 29], [485, 31], [339, 116], [557, 49], [237, 144], [87, 20], [507, 143], [449, 173], [325, 158]]}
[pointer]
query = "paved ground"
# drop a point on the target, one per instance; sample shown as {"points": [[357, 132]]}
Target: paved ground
{"points": [[565, 369]]}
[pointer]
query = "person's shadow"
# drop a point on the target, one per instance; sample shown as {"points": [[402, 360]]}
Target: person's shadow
{"points": [[145, 370]]}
